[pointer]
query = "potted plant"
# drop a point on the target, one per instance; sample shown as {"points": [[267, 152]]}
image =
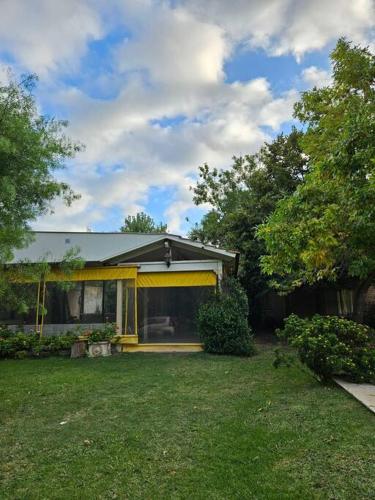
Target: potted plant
{"points": [[99, 341]]}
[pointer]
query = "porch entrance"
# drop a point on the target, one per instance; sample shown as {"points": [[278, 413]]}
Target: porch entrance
{"points": [[168, 314]]}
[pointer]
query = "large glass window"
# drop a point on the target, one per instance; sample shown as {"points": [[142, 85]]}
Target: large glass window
{"points": [[64, 306], [26, 292], [93, 294], [83, 302], [169, 314], [73, 302]]}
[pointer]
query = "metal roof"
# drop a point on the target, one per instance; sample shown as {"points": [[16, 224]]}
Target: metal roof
{"points": [[102, 247]]}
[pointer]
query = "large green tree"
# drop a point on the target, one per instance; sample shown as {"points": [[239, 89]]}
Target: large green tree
{"points": [[142, 223], [243, 196], [326, 229], [32, 148]]}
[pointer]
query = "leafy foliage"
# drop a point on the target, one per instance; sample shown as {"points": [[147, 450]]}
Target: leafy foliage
{"points": [[142, 223], [326, 229], [20, 345], [243, 197], [105, 333], [18, 291], [222, 321], [32, 148], [331, 346]]}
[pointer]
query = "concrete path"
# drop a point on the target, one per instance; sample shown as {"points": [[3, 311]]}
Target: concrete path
{"points": [[365, 393]]}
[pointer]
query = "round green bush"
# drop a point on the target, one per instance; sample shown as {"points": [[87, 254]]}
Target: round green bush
{"points": [[332, 346], [222, 321]]}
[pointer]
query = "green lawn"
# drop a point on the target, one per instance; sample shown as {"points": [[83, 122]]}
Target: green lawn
{"points": [[179, 426]]}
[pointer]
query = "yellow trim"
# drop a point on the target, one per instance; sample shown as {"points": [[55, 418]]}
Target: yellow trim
{"points": [[126, 307], [95, 273], [178, 278], [162, 347], [135, 309], [127, 339]]}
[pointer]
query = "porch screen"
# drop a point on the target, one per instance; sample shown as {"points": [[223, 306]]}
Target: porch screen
{"points": [[168, 314], [83, 302], [129, 307]]}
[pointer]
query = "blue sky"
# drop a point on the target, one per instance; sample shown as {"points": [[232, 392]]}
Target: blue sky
{"points": [[155, 88]]}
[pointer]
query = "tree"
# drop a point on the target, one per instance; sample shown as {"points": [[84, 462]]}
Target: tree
{"points": [[142, 223], [326, 229], [32, 148], [243, 196]]}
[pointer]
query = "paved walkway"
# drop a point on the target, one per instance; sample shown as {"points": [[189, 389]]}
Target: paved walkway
{"points": [[365, 393]]}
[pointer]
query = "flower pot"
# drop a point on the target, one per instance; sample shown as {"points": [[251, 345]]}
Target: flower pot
{"points": [[99, 349], [78, 349]]}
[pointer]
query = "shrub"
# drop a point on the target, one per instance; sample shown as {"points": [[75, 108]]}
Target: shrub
{"points": [[5, 332], [106, 333], [17, 345], [10, 344], [331, 346], [222, 321]]}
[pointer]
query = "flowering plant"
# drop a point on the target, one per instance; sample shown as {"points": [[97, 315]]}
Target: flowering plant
{"points": [[104, 334], [331, 346]]}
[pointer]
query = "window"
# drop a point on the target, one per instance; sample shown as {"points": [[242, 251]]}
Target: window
{"points": [[84, 302], [73, 303], [92, 302], [8, 314]]}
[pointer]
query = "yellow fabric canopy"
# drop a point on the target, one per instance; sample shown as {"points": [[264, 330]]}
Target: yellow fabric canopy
{"points": [[143, 280], [95, 274], [178, 278]]}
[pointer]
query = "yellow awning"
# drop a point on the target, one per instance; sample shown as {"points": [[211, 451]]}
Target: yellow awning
{"points": [[95, 273], [169, 279]]}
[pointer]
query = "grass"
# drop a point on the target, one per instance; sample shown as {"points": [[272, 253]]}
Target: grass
{"points": [[179, 426]]}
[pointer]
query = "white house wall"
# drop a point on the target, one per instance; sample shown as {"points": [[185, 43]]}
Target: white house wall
{"points": [[183, 265]]}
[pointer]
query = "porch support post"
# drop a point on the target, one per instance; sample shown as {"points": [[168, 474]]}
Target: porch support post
{"points": [[145, 316], [119, 307]]}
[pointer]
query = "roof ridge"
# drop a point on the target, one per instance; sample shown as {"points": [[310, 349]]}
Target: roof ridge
{"points": [[105, 232]]}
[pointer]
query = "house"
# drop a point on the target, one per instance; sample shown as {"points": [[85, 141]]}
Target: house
{"points": [[151, 285]]}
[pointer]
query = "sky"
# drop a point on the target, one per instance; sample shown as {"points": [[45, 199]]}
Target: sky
{"points": [[155, 88]]}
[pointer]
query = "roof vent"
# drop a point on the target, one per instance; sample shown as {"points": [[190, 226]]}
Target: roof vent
{"points": [[67, 240]]}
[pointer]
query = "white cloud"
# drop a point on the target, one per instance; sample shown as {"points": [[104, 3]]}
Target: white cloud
{"points": [[174, 108], [289, 26], [227, 119], [316, 77], [45, 35], [175, 48], [77, 217]]}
